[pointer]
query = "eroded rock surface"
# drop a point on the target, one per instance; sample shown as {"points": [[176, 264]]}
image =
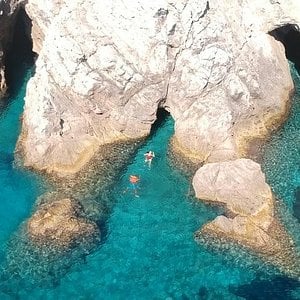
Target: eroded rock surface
{"points": [[104, 68], [240, 186], [60, 224], [42, 12]]}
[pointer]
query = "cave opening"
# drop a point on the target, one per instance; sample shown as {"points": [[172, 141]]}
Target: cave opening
{"points": [[20, 56], [289, 36], [161, 116]]}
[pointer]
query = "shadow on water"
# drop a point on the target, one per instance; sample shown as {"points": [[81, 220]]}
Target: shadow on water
{"points": [[298, 69], [278, 288], [6, 159], [296, 205]]}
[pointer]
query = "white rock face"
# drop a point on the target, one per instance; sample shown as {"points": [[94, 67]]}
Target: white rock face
{"points": [[42, 12], [225, 71], [96, 81], [238, 184], [104, 67]]}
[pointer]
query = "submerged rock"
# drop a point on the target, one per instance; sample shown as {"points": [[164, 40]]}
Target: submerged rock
{"points": [[60, 224], [240, 186]]}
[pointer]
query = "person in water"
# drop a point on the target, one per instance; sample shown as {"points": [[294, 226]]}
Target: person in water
{"points": [[134, 179], [149, 155]]}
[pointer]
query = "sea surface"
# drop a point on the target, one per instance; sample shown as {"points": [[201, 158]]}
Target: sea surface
{"points": [[148, 251]]}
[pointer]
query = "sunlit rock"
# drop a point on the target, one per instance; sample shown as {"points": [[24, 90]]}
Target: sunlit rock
{"points": [[241, 188], [99, 79]]}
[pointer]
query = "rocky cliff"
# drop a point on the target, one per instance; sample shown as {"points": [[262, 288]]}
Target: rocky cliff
{"points": [[104, 68]]}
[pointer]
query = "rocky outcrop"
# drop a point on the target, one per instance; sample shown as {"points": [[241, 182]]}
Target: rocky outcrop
{"points": [[114, 85], [8, 9], [59, 224], [105, 67], [101, 76], [225, 79], [241, 188]]}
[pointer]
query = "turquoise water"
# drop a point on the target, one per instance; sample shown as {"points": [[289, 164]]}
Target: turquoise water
{"points": [[281, 165], [148, 251], [282, 154], [19, 188]]}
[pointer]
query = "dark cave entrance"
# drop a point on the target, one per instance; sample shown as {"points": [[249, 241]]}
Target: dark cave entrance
{"points": [[289, 36], [19, 57], [161, 116]]}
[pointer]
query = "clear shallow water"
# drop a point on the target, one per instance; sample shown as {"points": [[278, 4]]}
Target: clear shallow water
{"points": [[282, 154], [19, 188], [149, 251], [281, 165]]}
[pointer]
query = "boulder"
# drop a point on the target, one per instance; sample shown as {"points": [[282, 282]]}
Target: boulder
{"points": [[239, 185], [250, 220], [59, 223]]}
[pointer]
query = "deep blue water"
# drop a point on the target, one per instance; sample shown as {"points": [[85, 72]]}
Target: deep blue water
{"points": [[149, 251]]}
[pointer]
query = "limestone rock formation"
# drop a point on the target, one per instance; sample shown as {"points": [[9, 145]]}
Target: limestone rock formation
{"points": [[104, 67], [8, 9], [59, 224], [41, 12], [241, 188]]}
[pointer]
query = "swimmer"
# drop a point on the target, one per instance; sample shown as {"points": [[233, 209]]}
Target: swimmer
{"points": [[149, 155], [133, 179]]}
